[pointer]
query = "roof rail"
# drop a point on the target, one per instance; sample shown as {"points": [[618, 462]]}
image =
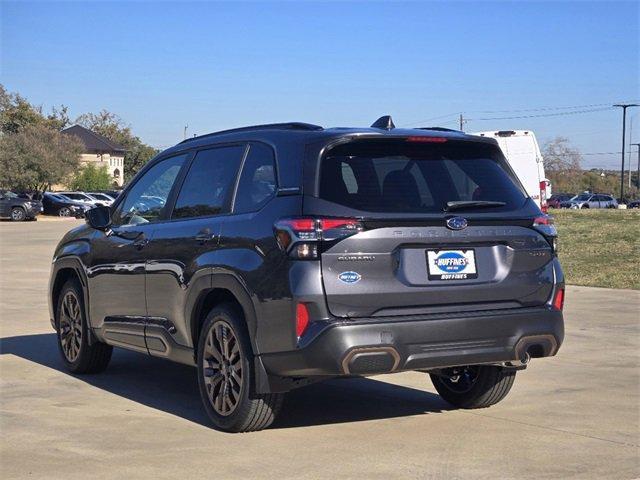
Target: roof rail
{"points": [[267, 126], [440, 129]]}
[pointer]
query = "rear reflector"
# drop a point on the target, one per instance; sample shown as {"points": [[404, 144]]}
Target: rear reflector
{"points": [[427, 139], [543, 220], [558, 299], [302, 319]]}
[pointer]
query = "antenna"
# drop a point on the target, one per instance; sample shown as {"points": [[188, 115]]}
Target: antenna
{"points": [[384, 123]]}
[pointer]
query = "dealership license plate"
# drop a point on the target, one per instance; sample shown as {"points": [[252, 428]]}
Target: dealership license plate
{"points": [[451, 264]]}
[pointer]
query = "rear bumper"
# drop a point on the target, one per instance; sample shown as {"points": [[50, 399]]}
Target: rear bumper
{"points": [[377, 345]]}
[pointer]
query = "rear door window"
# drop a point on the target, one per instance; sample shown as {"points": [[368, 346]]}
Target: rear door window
{"points": [[257, 183], [208, 186], [398, 176]]}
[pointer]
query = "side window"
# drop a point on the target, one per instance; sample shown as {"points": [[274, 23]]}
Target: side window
{"points": [[257, 181], [349, 178], [209, 184], [146, 199]]}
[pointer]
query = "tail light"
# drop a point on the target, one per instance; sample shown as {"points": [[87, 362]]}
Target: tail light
{"points": [[302, 319], [545, 225], [426, 139], [301, 237], [558, 299], [543, 196]]}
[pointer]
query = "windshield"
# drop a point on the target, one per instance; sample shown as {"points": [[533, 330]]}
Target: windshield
{"points": [[398, 176], [583, 197]]}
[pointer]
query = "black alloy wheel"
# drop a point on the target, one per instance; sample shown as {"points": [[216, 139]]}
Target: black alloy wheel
{"points": [[70, 325], [80, 355], [222, 368], [473, 386], [226, 374]]}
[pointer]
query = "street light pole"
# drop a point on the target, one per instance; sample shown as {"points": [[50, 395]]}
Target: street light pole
{"points": [[638, 177], [624, 107]]}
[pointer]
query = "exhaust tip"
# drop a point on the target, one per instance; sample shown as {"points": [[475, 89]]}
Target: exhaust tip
{"points": [[370, 360]]}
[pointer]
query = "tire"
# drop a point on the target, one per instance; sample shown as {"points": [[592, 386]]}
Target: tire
{"points": [[18, 214], [73, 333], [226, 374], [584, 207], [64, 212], [476, 386]]}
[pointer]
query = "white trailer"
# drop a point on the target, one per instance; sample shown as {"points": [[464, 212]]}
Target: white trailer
{"points": [[521, 149]]}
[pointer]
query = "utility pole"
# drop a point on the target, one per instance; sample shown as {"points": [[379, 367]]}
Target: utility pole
{"points": [[462, 122], [638, 177], [624, 107], [629, 159], [184, 136]]}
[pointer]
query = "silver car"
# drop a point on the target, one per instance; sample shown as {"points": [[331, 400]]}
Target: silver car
{"points": [[591, 200]]}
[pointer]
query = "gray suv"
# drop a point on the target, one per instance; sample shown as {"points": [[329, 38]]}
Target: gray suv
{"points": [[274, 256]]}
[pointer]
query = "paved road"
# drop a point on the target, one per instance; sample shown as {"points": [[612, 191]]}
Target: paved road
{"points": [[573, 416]]}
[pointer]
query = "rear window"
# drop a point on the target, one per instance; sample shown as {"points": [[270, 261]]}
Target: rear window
{"points": [[398, 176]]}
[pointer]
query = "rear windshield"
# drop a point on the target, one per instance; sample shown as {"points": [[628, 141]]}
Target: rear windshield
{"points": [[400, 176]]}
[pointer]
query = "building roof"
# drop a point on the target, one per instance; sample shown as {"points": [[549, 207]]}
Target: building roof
{"points": [[93, 142]]}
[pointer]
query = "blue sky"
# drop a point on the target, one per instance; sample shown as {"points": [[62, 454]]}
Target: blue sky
{"points": [[161, 65]]}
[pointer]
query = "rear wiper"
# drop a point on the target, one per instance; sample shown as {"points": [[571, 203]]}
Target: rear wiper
{"points": [[464, 204]]}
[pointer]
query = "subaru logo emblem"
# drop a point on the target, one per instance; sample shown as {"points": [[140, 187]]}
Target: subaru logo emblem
{"points": [[457, 223]]}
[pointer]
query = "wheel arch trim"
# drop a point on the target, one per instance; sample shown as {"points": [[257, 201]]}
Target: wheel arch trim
{"points": [[75, 265]]}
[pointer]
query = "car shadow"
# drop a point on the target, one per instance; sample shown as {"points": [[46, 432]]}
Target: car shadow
{"points": [[172, 388]]}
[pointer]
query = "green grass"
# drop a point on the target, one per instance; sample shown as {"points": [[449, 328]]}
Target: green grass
{"points": [[600, 248]]}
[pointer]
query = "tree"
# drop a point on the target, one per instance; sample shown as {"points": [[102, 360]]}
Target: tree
{"points": [[36, 157], [559, 156], [113, 127], [92, 178], [16, 113], [562, 165]]}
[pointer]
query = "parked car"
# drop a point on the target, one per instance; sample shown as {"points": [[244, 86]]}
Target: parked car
{"points": [[558, 198], [522, 151], [82, 197], [633, 204], [17, 208], [102, 198], [590, 200], [55, 204], [285, 254], [113, 193]]}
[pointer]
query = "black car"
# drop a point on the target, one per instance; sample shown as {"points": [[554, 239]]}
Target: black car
{"points": [[62, 206], [634, 204], [275, 256], [17, 208]]}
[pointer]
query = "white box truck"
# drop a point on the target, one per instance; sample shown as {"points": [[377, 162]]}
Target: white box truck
{"points": [[523, 153]]}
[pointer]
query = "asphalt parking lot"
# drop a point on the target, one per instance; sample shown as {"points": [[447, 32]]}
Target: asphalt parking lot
{"points": [[576, 415]]}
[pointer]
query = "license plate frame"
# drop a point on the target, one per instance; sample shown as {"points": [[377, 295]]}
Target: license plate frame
{"points": [[451, 264]]}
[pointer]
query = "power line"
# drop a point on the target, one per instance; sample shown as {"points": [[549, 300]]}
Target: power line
{"points": [[542, 109], [559, 114], [587, 153], [431, 119], [589, 108]]}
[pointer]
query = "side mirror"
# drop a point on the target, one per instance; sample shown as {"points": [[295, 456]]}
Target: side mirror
{"points": [[98, 218]]}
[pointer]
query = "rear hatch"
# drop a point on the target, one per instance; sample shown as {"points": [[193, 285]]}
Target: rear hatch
{"points": [[443, 226]]}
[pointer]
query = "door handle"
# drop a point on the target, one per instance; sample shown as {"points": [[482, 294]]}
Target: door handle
{"points": [[141, 242], [204, 236]]}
